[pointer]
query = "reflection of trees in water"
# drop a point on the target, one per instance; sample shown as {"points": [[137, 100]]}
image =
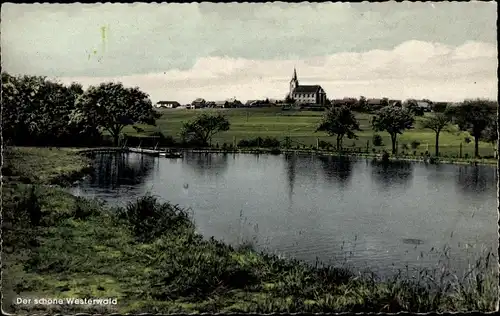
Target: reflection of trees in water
{"points": [[336, 169], [114, 170], [476, 179], [212, 164], [291, 161], [392, 173]]}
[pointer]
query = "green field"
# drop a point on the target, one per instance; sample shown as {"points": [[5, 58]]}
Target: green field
{"points": [[300, 126]]}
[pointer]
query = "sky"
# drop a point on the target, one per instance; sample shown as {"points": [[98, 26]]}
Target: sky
{"points": [[443, 51]]}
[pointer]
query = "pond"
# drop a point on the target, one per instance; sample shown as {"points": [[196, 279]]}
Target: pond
{"points": [[334, 210]]}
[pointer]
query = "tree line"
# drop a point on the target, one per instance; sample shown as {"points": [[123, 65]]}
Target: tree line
{"points": [[477, 117], [40, 112]]}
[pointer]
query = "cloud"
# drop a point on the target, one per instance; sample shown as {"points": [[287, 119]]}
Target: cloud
{"points": [[60, 40], [412, 69]]}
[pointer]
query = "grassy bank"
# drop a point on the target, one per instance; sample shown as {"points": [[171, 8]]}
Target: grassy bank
{"points": [[149, 257], [300, 126]]}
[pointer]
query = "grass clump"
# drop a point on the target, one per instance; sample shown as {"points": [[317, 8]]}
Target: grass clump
{"points": [[148, 219]]}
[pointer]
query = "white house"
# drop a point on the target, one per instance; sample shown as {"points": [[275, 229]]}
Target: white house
{"points": [[167, 104]]}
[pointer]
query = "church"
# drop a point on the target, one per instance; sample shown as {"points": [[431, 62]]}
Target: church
{"points": [[303, 94]]}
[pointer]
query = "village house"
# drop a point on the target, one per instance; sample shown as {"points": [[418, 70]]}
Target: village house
{"points": [[374, 103], [424, 105], [252, 103], [198, 103], [306, 94], [167, 104]]}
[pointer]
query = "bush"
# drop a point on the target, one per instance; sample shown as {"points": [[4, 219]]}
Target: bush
{"points": [[270, 142], [29, 206], [275, 151], [85, 208], [415, 144], [377, 140], [322, 144], [149, 219]]}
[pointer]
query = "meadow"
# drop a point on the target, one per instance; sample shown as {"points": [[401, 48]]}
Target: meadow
{"points": [[148, 256], [300, 127]]}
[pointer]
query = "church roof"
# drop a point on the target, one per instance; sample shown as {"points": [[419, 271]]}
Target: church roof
{"points": [[307, 89]]}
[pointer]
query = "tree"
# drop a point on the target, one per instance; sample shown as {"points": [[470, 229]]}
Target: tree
{"points": [[361, 104], [437, 123], [384, 102], [289, 100], [413, 107], [393, 120], [202, 128], [490, 134], [475, 116], [112, 107], [340, 122], [37, 111]]}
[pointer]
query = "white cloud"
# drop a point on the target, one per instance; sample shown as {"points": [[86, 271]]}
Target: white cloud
{"points": [[413, 69]]}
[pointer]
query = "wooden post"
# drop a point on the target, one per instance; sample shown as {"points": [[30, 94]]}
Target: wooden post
{"points": [[367, 145], [234, 142], [460, 154], [317, 143]]}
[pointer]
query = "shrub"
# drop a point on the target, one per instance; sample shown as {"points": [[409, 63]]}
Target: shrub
{"points": [[275, 151], [415, 144], [377, 140], [29, 206], [150, 219], [466, 156], [85, 208], [467, 140], [414, 153], [270, 142]]}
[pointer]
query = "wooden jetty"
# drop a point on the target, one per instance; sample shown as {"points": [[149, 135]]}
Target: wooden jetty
{"points": [[143, 151]]}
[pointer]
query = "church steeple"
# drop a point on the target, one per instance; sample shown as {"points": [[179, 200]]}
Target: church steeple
{"points": [[294, 83]]}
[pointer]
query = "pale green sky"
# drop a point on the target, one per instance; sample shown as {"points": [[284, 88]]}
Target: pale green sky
{"points": [[252, 48]]}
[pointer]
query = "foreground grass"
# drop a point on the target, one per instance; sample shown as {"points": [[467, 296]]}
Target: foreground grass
{"points": [[300, 126], [149, 257]]}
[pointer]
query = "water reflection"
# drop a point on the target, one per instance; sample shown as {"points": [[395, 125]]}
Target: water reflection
{"points": [[391, 174], [207, 164], [475, 179], [322, 216], [115, 170], [336, 169], [291, 162]]}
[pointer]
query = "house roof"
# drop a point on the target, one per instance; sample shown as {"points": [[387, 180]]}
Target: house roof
{"points": [[220, 102], [168, 102], [423, 103], [307, 89], [199, 100], [374, 101]]}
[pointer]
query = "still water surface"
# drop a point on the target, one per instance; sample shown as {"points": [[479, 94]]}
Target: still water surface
{"points": [[335, 210]]}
